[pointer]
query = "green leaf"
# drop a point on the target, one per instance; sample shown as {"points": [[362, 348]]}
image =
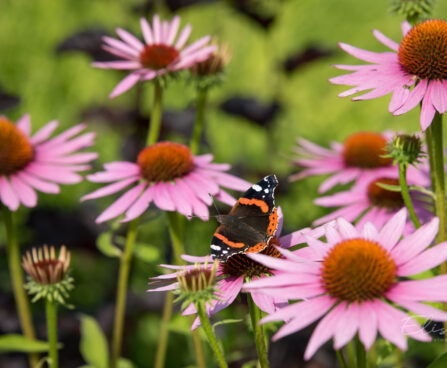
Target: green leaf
{"points": [[105, 245], [145, 252], [441, 362], [125, 363], [391, 188], [226, 322], [21, 344], [93, 346]]}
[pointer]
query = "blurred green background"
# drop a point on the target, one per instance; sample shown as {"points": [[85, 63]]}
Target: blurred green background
{"points": [[64, 86]]}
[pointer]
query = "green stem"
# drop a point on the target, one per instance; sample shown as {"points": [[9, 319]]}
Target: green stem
{"points": [[209, 332], [200, 118], [434, 140], [351, 354], [372, 356], [121, 294], [399, 358], [15, 269], [154, 128], [51, 308], [164, 332], [176, 229], [406, 194], [361, 353], [341, 358], [258, 331]]}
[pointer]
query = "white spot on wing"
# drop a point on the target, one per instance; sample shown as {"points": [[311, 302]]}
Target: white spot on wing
{"points": [[257, 187], [215, 247], [266, 190]]}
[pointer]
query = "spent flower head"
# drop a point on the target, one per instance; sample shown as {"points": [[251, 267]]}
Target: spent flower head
{"points": [[48, 274], [413, 10]]}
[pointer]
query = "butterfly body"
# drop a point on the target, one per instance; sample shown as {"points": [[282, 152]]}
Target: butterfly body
{"points": [[251, 223]]}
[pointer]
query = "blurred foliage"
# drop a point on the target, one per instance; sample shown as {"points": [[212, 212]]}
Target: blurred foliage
{"points": [[65, 86]]}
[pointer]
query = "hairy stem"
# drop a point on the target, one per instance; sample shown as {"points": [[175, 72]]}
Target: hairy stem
{"points": [[154, 128], [406, 194], [200, 118], [51, 309], [258, 331]]}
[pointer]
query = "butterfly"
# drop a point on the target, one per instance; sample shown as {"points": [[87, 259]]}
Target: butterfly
{"points": [[250, 224]]}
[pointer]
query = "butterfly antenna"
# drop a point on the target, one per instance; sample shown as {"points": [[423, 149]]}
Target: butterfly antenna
{"points": [[214, 203]]}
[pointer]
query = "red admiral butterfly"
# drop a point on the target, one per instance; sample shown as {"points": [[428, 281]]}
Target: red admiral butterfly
{"points": [[251, 223]]}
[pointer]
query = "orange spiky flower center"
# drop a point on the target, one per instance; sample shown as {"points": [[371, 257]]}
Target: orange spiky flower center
{"points": [[365, 149], [423, 51], [165, 161], [16, 150], [241, 265], [158, 56], [357, 270], [382, 197]]}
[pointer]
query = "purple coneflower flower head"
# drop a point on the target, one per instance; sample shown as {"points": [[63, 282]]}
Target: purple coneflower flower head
{"points": [[167, 174], [360, 155], [415, 71], [353, 282], [160, 53], [231, 274], [36, 162], [366, 201]]}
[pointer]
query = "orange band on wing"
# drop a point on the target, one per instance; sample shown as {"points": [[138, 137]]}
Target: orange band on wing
{"points": [[256, 248], [257, 202], [230, 243], [273, 223]]}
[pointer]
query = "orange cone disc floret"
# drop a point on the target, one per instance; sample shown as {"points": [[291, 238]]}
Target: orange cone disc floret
{"points": [[241, 265], [423, 51], [165, 161], [16, 150], [382, 197], [158, 56], [357, 270], [365, 149]]}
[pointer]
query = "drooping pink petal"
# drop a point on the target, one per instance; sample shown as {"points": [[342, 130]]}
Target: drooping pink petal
{"points": [[439, 95], [7, 194], [140, 205], [385, 40], [284, 279], [113, 175], [182, 204], [433, 289], [130, 39], [388, 327], [38, 184], [161, 197], [226, 198], [305, 313], [414, 98], [119, 65], [126, 84], [57, 174], [372, 57], [400, 95], [120, 46], [347, 326], [199, 208], [343, 177], [277, 263], [422, 310], [109, 189], [121, 204], [324, 330], [194, 259], [25, 193], [427, 110], [367, 324]]}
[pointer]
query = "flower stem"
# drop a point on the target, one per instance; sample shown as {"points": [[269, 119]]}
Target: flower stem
{"points": [[341, 358], [176, 230], [154, 128], [21, 299], [164, 332], [201, 310], [121, 294], [434, 140], [361, 353], [406, 194], [200, 118], [258, 331], [51, 308]]}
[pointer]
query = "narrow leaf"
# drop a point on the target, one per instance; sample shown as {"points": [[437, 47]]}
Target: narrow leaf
{"points": [[93, 346], [21, 344]]}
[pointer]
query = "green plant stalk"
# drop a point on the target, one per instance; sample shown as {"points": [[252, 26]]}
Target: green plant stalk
{"points": [[258, 331], [372, 356], [360, 353], [341, 358], [160, 354], [351, 354], [434, 141], [399, 358], [15, 269], [202, 94], [154, 128], [51, 309], [176, 224], [123, 278], [209, 332], [406, 194]]}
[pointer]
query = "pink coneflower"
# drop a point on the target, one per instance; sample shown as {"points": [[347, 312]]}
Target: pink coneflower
{"points": [[353, 279], [371, 203], [157, 55], [420, 60], [35, 162], [359, 156], [170, 176], [231, 274]]}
